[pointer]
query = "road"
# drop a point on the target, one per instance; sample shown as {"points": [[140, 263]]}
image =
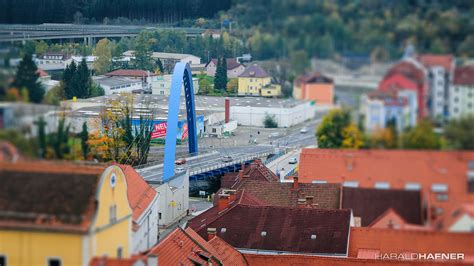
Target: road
{"points": [[294, 140]]}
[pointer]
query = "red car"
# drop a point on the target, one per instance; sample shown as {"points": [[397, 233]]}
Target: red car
{"points": [[180, 161]]}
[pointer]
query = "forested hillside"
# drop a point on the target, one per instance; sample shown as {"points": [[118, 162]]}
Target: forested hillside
{"points": [[325, 28], [65, 11]]}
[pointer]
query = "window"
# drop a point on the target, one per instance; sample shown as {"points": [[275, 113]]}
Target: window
{"points": [[119, 252], [3, 260], [412, 186], [382, 185], [319, 181], [159, 216], [442, 197], [54, 262], [439, 187], [214, 130], [351, 184], [113, 214]]}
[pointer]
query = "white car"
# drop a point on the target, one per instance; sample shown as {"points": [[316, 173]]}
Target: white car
{"points": [[293, 161], [304, 130], [180, 170]]}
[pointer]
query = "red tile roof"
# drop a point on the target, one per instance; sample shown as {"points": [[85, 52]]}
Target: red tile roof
{"points": [[140, 194], [323, 196], [42, 73], [409, 241], [306, 260], [370, 204], [130, 73], [314, 77], [182, 247], [278, 228], [231, 63], [431, 60], [464, 76], [228, 254], [53, 196], [398, 168]]}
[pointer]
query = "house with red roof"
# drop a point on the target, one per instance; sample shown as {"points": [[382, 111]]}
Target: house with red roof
{"points": [[461, 94], [275, 229], [315, 87], [445, 178], [234, 68]]}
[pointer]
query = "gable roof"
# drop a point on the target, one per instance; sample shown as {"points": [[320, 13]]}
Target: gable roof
{"points": [[370, 203], [314, 77], [432, 60], [231, 63], [140, 194], [254, 71], [279, 228], [464, 75], [408, 69], [182, 247], [48, 196], [130, 73], [228, 254]]}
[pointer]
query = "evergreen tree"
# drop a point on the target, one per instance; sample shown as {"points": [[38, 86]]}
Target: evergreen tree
{"points": [[82, 80], [220, 79], [67, 80], [142, 54], [84, 135], [159, 64], [27, 77]]}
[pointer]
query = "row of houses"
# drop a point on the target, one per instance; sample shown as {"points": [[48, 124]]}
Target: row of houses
{"points": [[58, 213], [421, 86]]}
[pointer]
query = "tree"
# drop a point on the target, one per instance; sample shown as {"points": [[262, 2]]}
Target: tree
{"points": [[232, 85], [55, 95], [67, 80], [41, 137], [96, 90], [269, 121], [84, 136], [330, 133], [159, 65], [103, 51], [421, 137], [383, 138], [220, 79], [460, 133], [352, 137], [205, 86], [27, 77], [59, 140], [299, 61], [142, 53], [82, 80]]}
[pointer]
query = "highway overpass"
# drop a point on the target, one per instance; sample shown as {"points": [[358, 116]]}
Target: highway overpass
{"points": [[20, 32]]}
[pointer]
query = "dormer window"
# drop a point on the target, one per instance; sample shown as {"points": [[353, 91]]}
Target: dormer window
{"points": [[439, 188]]}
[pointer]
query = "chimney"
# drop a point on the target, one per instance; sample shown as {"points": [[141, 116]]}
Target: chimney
{"points": [[227, 110], [301, 203], [295, 182], [152, 260], [211, 233], [309, 200], [223, 201]]}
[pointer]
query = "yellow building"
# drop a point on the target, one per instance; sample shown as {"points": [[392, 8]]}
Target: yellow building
{"points": [[255, 81], [58, 214]]}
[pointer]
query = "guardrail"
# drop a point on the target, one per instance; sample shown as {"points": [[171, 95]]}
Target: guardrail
{"points": [[292, 172], [238, 160], [276, 156]]}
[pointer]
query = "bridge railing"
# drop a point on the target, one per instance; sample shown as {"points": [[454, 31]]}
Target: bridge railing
{"points": [[238, 160]]}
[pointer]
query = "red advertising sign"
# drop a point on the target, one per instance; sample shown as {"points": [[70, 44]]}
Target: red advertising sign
{"points": [[185, 132], [159, 130]]}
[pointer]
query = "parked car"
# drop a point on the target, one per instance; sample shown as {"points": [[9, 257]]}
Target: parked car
{"points": [[180, 170], [227, 159], [180, 161], [274, 135], [304, 130], [293, 160]]}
